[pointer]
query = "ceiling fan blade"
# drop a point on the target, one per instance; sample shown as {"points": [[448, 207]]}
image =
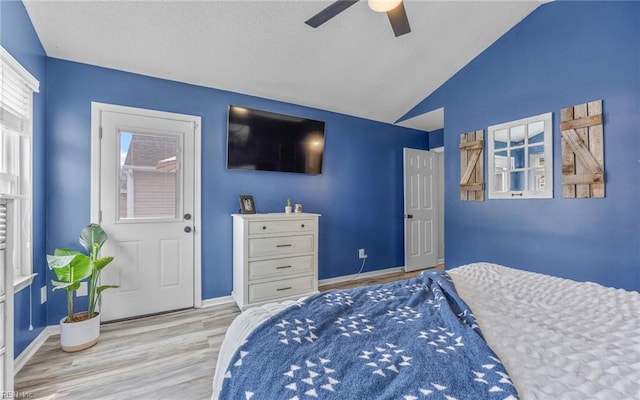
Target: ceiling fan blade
{"points": [[331, 11], [399, 21]]}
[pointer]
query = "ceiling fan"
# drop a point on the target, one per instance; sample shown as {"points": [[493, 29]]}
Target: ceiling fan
{"points": [[394, 9]]}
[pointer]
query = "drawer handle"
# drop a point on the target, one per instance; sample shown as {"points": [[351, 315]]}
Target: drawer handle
{"points": [[284, 288], [302, 225], [284, 266], [283, 245], [264, 227]]}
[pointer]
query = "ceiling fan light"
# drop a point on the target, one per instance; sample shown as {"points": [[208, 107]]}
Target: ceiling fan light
{"points": [[383, 5]]}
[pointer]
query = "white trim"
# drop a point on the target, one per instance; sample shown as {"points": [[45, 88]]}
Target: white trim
{"points": [[216, 301], [23, 266], [197, 207], [22, 281], [370, 274], [438, 149], [440, 261], [22, 71], [34, 346], [12, 196], [96, 116], [51, 330]]}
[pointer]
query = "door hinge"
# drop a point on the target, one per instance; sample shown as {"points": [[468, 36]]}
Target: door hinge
{"points": [[100, 216], [100, 133]]}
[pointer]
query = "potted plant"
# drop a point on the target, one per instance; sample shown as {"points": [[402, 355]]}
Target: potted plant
{"points": [[79, 331], [287, 207]]}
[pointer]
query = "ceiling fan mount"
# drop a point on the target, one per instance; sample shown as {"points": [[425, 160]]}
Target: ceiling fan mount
{"points": [[394, 9]]}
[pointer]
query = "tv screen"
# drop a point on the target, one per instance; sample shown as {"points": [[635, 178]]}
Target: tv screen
{"points": [[266, 141]]}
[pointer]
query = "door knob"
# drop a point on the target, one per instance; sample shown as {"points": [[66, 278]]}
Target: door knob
{"points": [[187, 216], [187, 229], [409, 216]]}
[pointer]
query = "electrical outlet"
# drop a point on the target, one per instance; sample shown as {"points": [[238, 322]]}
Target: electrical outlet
{"points": [[43, 295], [361, 253], [82, 290]]}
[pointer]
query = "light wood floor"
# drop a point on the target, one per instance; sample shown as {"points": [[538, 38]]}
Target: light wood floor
{"points": [[170, 356]]}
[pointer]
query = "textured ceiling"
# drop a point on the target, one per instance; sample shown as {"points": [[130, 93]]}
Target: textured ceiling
{"points": [[353, 64]]}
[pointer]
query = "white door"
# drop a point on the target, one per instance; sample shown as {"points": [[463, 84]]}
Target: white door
{"points": [[146, 196], [420, 210]]}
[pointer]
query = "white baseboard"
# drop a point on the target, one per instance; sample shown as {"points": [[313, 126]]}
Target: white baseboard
{"points": [[370, 274], [34, 346], [217, 301], [223, 300], [441, 261], [51, 330]]}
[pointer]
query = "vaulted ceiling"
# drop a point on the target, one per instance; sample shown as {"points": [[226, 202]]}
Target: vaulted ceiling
{"points": [[353, 64]]}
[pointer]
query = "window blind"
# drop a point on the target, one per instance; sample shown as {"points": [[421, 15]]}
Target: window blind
{"points": [[17, 86]]}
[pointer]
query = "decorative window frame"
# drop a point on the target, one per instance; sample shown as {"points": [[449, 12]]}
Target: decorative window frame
{"points": [[20, 121], [542, 172]]}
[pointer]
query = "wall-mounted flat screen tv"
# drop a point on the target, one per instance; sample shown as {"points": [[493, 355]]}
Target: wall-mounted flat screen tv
{"points": [[266, 141]]}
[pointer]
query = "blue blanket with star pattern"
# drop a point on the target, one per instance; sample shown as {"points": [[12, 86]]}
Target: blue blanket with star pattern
{"points": [[409, 340]]}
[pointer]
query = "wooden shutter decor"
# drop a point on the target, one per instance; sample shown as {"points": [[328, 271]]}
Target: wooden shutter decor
{"points": [[472, 166], [582, 150]]}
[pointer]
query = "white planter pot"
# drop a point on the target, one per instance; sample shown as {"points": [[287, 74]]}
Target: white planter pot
{"points": [[287, 209], [81, 335]]}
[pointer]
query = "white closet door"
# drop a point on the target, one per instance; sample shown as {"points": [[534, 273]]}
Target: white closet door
{"points": [[420, 210]]}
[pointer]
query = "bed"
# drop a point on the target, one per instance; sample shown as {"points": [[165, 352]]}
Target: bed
{"points": [[554, 339]]}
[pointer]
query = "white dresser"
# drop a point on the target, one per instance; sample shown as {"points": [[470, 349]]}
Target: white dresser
{"points": [[275, 257]]}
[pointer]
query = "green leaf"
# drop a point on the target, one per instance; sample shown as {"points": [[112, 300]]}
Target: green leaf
{"points": [[75, 270], [100, 289], [70, 286], [101, 263], [91, 235], [65, 252], [59, 261]]}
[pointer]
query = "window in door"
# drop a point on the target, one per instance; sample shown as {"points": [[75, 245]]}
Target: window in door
{"points": [[149, 180]]}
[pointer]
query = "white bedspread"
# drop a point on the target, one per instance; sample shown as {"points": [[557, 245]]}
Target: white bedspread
{"points": [[559, 339]]}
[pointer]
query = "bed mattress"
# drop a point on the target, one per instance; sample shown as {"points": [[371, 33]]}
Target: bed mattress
{"points": [[559, 339]]}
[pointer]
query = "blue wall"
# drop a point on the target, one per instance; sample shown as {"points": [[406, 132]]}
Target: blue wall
{"points": [[19, 38], [543, 64], [359, 192], [361, 157], [564, 53], [436, 138]]}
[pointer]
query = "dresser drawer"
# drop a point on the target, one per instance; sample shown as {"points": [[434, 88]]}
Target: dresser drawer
{"points": [[280, 267], [280, 245], [275, 257], [282, 288], [281, 226]]}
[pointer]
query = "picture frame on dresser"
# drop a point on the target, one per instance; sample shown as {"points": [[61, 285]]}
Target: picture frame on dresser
{"points": [[247, 204]]}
